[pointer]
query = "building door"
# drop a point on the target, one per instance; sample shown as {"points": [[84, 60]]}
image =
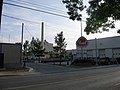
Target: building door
{"points": [[1, 60]]}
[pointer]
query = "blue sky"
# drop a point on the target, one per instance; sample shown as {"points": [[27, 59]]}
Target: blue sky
{"points": [[11, 28]]}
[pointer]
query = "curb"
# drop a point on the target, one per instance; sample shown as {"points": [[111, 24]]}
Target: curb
{"points": [[27, 71]]}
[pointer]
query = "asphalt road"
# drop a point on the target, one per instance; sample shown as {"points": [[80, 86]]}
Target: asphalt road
{"points": [[82, 79]]}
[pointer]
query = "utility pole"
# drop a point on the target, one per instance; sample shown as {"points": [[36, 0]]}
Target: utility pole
{"points": [[1, 4]]}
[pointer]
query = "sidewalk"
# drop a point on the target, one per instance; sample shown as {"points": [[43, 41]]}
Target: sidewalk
{"points": [[27, 71]]}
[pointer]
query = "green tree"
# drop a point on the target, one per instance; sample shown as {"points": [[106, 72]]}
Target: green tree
{"points": [[26, 48], [102, 13], [74, 7], [36, 47], [61, 44]]}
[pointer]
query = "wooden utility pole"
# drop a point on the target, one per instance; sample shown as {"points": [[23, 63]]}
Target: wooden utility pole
{"points": [[1, 4]]}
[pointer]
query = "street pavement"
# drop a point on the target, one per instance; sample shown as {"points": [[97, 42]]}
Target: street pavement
{"points": [[103, 78], [47, 68]]}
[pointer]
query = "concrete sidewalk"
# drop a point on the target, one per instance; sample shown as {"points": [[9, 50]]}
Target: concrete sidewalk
{"points": [[4, 72]]}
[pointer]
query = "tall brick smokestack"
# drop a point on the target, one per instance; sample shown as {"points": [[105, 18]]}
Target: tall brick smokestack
{"points": [[42, 34]]}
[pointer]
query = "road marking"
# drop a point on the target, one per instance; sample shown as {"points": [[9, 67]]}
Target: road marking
{"points": [[117, 84]]}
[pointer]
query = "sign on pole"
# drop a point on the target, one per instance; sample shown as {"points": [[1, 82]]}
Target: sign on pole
{"points": [[81, 42]]}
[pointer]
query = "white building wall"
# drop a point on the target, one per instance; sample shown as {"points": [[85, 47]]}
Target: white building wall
{"points": [[89, 53], [94, 53], [106, 47], [108, 53]]}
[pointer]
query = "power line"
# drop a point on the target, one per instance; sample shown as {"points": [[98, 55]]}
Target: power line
{"points": [[32, 21], [36, 10], [39, 5], [56, 14], [20, 19], [29, 32]]}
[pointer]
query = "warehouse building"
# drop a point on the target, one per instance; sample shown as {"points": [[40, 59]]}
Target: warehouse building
{"points": [[101, 48], [10, 55], [48, 46]]}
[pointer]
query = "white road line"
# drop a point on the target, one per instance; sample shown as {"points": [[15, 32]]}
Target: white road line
{"points": [[117, 84]]}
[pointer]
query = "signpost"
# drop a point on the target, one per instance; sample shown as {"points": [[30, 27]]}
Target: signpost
{"points": [[81, 42]]}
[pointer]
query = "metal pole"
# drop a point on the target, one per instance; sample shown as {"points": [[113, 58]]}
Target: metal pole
{"points": [[81, 27], [81, 46], [21, 43], [22, 33], [96, 51], [1, 4]]}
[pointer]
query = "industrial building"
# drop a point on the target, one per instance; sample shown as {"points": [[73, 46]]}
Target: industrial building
{"points": [[48, 46], [10, 55], [98, 48]]}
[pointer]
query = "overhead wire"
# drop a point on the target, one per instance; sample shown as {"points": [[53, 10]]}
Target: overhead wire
{"points": [[30, 9], [20, 19], [28, 31], [42, 6], [47, 24], [38, 10], [51, 8]]}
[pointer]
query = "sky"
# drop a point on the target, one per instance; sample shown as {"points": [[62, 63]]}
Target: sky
{"points": [[11, 28]]}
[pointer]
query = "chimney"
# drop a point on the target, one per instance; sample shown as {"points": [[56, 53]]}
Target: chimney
{"points": [[42, 34]]}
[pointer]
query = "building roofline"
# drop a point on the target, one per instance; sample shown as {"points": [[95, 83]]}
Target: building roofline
{"points": [[104, 38], [11, 43]]}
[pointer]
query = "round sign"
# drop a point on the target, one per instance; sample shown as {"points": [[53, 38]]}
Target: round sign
{"points": [[82, 41]]}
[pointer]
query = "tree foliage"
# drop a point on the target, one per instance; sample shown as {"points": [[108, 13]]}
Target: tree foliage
{"points": [[60, 41], [26, 48], [102, 14], [33, 48], [36, 47], [74, 7], [61, 44]]}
